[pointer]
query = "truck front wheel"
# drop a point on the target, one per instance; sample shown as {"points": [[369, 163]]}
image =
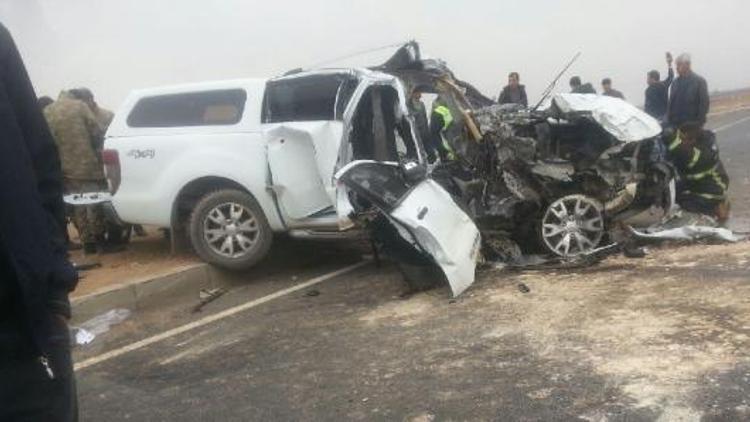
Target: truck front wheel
{"points": [[228, 229]]}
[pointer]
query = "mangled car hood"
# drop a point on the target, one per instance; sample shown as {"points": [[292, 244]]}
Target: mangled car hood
{"points": [[619, 118]]}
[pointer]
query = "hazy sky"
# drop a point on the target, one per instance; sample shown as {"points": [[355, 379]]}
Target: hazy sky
{"points": [[113, 46]]}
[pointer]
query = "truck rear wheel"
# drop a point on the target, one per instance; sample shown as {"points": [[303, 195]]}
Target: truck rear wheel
{"points": [[228, 229]]}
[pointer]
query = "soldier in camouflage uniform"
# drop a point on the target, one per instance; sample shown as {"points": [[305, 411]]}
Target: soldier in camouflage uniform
{"points": [[103, 116], [79, 137]]}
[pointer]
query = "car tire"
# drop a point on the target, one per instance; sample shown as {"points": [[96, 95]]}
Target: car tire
{"points": [[227, 228], [572, 225]]}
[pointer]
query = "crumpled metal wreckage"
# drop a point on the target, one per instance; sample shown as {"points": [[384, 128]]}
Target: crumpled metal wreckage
{"points": [[551, 182]]}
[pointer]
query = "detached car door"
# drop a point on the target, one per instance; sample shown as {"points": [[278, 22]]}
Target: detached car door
{"points": [[425, 215], [302, 124]]}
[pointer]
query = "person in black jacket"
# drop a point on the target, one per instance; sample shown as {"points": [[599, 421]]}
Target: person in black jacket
{"points": [[36, 375], [514, 92], [576, 87], [688, 98], [657, 92], [609, 91]]}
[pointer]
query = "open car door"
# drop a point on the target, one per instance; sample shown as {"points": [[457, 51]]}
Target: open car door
{"points": [[302, 123], [425, 215]]}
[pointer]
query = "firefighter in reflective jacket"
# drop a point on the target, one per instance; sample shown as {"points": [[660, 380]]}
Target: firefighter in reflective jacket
{"points": [[703, 183], [444, 129]]}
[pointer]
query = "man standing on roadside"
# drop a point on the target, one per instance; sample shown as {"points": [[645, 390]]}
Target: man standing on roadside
{"points": [[576, 87], [657, 93], [79, 138], [688, 98], [103, 116], [36, 373], [514, 92], [609, 91]]}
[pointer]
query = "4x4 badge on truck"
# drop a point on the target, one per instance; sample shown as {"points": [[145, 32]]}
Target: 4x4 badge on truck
{"points": [[142, 153]]}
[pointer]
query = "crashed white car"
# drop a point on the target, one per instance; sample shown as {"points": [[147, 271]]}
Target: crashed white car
{"points": [[318, 153], [233, 162]]}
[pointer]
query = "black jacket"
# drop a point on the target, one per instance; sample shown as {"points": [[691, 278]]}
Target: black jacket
{"points": [[657, 97], [688, 100], [506, 96], [614, 93], [703, 181], [35, 275], [586, 88]]}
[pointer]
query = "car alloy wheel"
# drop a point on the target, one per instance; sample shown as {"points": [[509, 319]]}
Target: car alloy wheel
{"points": [[573, 225], [230, 230]]}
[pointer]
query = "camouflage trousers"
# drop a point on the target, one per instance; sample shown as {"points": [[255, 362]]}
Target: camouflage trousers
{"points": [[89, 220]]}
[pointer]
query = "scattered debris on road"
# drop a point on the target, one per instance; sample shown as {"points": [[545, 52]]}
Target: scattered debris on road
{"points": [[207, 296], [86, 332]]}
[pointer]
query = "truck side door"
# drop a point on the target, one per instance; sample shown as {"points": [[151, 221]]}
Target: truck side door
{"points": [[302, 123]]}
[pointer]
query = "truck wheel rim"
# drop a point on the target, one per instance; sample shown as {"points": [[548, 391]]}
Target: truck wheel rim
{"points": [[573, 225], [230, 230]]}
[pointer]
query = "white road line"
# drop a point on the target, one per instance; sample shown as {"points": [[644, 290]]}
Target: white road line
{"points": [[215, 317], [729, 125]]}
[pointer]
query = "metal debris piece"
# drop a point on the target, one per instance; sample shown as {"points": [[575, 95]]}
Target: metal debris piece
{"points": [[207, 296], [86, 266]]}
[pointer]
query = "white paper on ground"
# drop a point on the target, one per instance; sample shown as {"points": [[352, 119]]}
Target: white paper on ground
{"points": [[690, 233]]}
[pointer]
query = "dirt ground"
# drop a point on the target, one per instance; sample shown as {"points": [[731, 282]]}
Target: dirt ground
{"points": [[728, 101], [144, 257]]}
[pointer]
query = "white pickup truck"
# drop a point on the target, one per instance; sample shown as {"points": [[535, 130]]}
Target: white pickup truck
{"points": [[234, 162]]}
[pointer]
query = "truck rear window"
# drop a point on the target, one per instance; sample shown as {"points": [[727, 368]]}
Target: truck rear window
{"points": [[308, 98], [206, 108]]}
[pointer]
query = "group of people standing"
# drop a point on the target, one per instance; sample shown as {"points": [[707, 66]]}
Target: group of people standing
{"points": [[681, 105]]}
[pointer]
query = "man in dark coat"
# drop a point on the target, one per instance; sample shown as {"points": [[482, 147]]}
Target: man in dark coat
{"points": [[514, 92], [657, 93], [576, 87], [688, 98], [36, 375], [609, 91]]}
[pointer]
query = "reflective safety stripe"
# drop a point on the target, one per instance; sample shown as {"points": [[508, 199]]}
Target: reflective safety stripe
{"points": [[701, 175], [706, 195], [710, 196], [675, 143], [714, 174], [446, 114], [717, 179], [696, 157]]}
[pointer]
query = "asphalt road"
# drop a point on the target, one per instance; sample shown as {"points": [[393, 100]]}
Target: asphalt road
{"points": [[664, 338]]}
